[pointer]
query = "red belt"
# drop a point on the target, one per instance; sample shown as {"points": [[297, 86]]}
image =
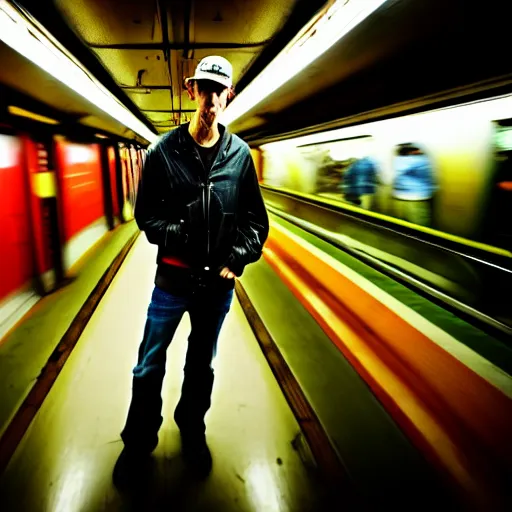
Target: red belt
{"points": [[174, 261]]}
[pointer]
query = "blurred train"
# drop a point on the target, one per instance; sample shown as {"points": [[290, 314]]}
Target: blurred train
{"points": [[449, 169], [59, 197]]}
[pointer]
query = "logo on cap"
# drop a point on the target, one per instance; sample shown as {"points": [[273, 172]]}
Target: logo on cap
{"points": [[209, 67]]}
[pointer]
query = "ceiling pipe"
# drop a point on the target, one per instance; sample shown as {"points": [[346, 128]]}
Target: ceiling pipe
{"points": [[162, 8], [179, 46], [186, 22]]}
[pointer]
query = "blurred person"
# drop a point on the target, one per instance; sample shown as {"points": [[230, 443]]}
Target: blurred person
{"points": [[199, 201], [414, 185], [497, 228], [359, 182]]}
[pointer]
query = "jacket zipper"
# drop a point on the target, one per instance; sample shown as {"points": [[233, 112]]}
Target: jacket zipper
{"points": [[208, 197], [206, 191]]}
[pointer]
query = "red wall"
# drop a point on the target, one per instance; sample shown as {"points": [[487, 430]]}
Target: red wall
{"points": [[15, 237], [79, 167], [138, 171], [113, 180], [43, 258], [126, 171]]}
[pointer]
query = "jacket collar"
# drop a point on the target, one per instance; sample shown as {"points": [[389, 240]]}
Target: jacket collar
{"points": [[185, 143]]}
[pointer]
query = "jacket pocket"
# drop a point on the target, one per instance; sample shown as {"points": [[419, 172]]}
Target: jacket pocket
{"points": [[226, 232], [195, 213], [194, 225]]}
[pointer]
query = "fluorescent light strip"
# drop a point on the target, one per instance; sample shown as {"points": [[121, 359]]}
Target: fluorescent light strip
{"points": [[311, 42], [21, 112], [487, 110], [23, 37]]}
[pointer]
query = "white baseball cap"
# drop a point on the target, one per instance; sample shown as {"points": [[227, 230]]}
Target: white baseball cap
{"points": [[214, 68]]}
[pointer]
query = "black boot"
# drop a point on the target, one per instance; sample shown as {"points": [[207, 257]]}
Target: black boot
{"points": [[140, 433], [194, 449], [196, 454], [132, 470]]}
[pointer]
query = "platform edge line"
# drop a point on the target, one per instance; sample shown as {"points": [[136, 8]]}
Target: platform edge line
{"points": [[327, 460]]}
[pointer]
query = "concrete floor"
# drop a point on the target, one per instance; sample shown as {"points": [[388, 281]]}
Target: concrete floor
{"points": [[64, 462]]}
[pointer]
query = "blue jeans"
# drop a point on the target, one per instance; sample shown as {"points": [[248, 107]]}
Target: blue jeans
{"points": [[207, 307]]}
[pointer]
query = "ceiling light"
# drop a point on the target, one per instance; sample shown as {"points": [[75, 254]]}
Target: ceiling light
{"points": [[311, 42], [21, 34], [21, 112], [452, 119]]}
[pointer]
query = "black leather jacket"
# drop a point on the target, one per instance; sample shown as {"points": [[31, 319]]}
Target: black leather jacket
{"points": [[207, 220]]}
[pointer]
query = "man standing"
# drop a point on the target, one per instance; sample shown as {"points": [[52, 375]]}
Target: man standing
{"points": [[199, 201]]}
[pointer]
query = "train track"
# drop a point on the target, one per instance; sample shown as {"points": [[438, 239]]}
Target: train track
{"points": [[468, 281]]}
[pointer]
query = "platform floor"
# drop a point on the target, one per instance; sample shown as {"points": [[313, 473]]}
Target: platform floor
{"points": [[64, 463]]}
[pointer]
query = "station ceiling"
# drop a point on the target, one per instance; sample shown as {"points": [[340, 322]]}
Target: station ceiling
{"points": [[142, 51]]}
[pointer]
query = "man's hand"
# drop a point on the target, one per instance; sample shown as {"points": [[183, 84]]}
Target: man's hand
{"points": [[226, 273]]}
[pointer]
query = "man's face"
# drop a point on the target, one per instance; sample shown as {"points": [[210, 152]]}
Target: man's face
{"points": [[211, 98]]}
